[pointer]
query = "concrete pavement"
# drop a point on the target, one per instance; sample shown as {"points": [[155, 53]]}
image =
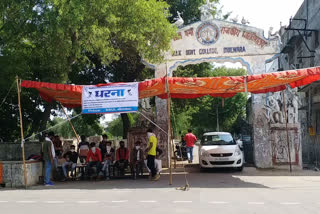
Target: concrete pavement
{"points": [[252, 191]]}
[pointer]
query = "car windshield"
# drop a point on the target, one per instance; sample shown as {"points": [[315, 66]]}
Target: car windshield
{"points": [[219, 139]]}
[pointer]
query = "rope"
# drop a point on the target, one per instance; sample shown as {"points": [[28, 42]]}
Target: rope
{"points": [[4, 99], [52, 127], [152, 122]]}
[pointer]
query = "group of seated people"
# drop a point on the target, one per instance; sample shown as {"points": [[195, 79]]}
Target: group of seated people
{"points": [[103, 157]]}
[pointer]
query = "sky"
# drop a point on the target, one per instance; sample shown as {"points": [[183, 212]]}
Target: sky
{"points": [[263, 13], [260, 13]]}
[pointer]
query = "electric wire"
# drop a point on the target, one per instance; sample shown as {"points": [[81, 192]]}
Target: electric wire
{"points": [[4, 99], [52, 127], [152, 122]]}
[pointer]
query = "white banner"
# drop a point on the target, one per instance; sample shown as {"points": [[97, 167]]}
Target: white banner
{"points": [[115, 98]]}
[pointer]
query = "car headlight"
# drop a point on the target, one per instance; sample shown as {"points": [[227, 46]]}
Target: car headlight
{"points": [[204, 153], [238, 151]]}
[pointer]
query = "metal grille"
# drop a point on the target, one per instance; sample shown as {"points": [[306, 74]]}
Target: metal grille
{"points": [[221, 162], [221, 155]]}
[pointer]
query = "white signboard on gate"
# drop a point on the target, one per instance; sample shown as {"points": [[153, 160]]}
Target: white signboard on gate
{"points": [[114, 98]]}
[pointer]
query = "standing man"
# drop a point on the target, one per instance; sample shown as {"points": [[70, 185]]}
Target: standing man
{"points": [[190, 140], [151, 151], [48, 157]]}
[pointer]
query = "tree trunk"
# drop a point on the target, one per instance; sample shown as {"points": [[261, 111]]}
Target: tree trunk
{"points": [[126, 125]]}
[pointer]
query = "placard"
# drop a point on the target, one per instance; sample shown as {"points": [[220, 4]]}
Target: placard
{"points": [[114, 98]]}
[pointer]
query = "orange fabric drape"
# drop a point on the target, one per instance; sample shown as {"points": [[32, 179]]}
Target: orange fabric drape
{"points": [[188, 87]]}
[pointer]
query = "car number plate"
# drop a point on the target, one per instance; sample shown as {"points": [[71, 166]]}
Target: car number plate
{"points": [[222, 159]]}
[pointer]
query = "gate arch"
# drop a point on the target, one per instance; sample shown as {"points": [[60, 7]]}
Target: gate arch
{"points": [[212, 40], [210, 59]]}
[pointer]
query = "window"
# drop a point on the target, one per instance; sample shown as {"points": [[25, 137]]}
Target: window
{"points": [[218, 139]]}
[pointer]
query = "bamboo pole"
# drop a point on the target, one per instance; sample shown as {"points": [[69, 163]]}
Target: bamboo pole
{"points": [[287, 131], [22, 137], [169, 140], [169, 126], [74, 131]]}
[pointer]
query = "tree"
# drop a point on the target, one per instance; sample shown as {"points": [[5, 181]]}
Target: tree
{"points": [[115, 127], [84, 125], [47, 40], [189, 9], [200, 114]]}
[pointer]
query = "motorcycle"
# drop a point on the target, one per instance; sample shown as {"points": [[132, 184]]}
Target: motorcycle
{"points": [[181, 151]]}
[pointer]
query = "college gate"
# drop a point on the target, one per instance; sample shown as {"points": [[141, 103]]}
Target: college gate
{"points": [[212, 40]]}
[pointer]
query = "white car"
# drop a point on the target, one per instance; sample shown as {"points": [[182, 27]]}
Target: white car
{"points": [[220, 150]]}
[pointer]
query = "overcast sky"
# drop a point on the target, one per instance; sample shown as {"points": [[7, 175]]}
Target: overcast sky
{"points": [[263, 14]]}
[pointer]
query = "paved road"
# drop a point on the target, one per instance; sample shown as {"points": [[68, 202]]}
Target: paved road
{"points": [[211, 192]]}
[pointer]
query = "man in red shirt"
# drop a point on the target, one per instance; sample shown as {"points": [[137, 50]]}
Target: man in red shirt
{"points": [[122, 156], [190, 140], [93, 159]]}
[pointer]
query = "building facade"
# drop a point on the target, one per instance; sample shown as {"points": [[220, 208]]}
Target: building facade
{"points": [[300, 49]]}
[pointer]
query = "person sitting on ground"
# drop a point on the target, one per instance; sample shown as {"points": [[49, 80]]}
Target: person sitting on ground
{"points": [[93, 159], [71, 161], [83, 149], [122, 158], [108, 159], [103, 144], [136, 160]]}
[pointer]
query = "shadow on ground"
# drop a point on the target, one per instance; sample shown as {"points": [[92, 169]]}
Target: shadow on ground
{"points": [[212, 178], [252, 171], [207, 179]]}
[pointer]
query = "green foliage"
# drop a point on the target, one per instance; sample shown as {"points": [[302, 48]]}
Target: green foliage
{"points": [[189, 9], [107, 27], [84, 125], [200, 114], [54, 40], [115, 127]]}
